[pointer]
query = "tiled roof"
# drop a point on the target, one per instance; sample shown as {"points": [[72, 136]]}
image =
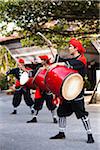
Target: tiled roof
{"points": [[3, 39]]}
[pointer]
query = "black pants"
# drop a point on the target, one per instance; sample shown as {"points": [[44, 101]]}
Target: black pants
{"points": [[68, 107], [18, 97], [45, 97]]}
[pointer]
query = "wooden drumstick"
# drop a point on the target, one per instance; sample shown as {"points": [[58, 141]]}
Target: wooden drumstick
{"points": [[48, 42]]}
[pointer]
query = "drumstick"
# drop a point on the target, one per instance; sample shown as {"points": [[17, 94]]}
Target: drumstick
{"points": [[11, 54], [48, 42]]}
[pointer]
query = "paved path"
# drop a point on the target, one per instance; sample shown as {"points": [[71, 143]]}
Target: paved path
{"points": [[16, 134]]}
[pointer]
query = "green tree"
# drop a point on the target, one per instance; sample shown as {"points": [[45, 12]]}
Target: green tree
{"points": [[74, 18], [6, 60]]}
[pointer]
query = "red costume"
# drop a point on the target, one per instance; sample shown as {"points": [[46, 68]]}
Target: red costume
{"points": [[20, 90], [66, 108], [41, 95]]}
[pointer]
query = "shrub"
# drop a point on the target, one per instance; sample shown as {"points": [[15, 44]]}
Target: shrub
{"points": [[3, 82]]}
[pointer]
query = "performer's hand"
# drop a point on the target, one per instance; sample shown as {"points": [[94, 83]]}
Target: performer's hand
{"points": [[61, 64], [30, 74], [7, 73], [24, 69], [57, 64], [68, 65]]}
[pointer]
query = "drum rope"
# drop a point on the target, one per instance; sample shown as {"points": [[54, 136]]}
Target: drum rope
{"points": [[37, 74]]}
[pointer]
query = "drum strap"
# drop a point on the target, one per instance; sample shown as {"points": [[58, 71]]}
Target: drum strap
{"points": [[37, 74], [57, 58], [68, 65], [45, 79], [49, 93], [79, 98]]}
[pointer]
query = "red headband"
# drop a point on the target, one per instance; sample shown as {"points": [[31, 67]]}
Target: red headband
{"points": [[20, 60], [78, 45], [44, 57]]}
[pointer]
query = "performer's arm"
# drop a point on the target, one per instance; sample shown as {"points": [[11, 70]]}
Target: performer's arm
{"points": [[70, 62], [60, 59], [34, 69], [75, 64], [12, 71]]}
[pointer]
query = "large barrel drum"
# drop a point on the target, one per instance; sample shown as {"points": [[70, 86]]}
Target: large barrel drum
{"points": [[64, 82]]}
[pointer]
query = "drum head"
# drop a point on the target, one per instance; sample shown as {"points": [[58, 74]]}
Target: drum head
{"points": [[24, 78], [72, 86]]}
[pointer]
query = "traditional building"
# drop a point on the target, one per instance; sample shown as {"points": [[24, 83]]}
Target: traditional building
{"points": [[14, 46]]}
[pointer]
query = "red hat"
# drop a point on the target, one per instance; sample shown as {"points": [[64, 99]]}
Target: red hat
{"points": [[44, 57], [78, 45], [20, 60]]}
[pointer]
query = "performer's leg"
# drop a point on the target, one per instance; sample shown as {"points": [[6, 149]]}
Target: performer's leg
{"points": [[87, 126], [16, 100], [52, 107], [14, 111], [34, 119], [54, 116], [79, 109], [37, 107], [63, 111], [62, 127], [28, 100], [32, 109]]}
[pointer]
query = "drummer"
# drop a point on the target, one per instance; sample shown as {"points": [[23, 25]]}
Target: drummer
{"points": [[77, 61], [41, 96], [20, 90]]}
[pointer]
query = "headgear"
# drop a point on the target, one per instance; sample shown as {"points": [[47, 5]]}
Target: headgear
{"points": [[77, 44], [44, 57], [20, 60]]}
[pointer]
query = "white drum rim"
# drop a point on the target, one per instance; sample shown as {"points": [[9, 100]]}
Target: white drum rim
{"points": [[24, 78], [63, 87]]}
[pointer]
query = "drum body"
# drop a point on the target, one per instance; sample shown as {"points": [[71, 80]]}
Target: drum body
{"points": [[30, 83], [64, 82], [40, 79]]}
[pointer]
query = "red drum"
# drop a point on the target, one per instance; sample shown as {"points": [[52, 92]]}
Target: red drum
{"points": [[64, 82], [36, 81], [30, 83], [40, 79]]}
